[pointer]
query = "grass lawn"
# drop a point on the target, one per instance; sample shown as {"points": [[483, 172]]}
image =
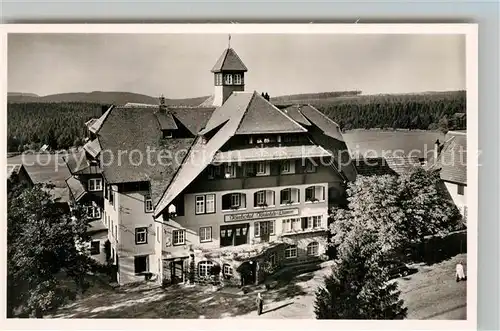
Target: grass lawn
{"points": [[431, 293]]}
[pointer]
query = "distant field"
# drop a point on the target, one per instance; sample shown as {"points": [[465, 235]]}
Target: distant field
{"points": [[44, 168], [374, 142]]}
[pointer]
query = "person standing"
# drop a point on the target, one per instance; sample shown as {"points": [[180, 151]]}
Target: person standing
{"points": [[460, 273], [260, 303]]}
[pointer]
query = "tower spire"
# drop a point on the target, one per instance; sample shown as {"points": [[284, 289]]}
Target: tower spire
{"points": [[229, 41]]}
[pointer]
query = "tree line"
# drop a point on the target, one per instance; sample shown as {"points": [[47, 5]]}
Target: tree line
{"points": [[59, 125], [444, 111]]}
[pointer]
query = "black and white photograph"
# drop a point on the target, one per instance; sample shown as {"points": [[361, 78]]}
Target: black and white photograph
{"points": [[241, 175]]}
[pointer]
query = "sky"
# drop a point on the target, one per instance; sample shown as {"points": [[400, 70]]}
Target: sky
{"points": [[178, 65]]}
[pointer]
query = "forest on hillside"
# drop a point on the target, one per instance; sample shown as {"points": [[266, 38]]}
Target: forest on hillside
{"points": [[59, 125], [431, 111], [62, 125]]}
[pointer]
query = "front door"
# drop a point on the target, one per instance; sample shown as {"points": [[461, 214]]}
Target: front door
{"points": [[265, 231], [177, 271]]}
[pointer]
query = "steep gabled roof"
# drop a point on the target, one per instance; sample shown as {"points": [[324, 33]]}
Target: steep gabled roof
{"points": [[326, 124], [93, 147], [166, 120], [76, 188], [229, 61], [452, 160], [261, 116], [296, 115], [193, 118]]}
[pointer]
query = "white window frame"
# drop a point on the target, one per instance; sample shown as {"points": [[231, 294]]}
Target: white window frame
{"points": [[205, 266], [227, 270], [142, 231], [258, 170], [205, 234], [291, 251], [314, 247], [218, 79], [94, 212], [95, 184], [284, 202], [317, 221], [236, 200], [209, 203], [148, 204], [178, 237], [237, 79], [313, 189], [199, 205], [271, 228], [228, 79], [260, 194]]}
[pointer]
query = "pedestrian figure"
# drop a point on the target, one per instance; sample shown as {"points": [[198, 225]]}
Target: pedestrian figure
{"points": [[260, 303], [460, 274]]}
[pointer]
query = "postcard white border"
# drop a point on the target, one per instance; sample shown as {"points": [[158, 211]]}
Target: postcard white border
{"points": [[471, 33]]}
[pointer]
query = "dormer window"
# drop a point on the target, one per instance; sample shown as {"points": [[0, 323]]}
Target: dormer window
{"points": [[218, 79], [167, 134], [228, 79], [237, 79]]}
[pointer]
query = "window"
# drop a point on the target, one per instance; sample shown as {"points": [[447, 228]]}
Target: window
{"points": [[200, 204], [148, 204], [94, 212], [141, 236], [218, 79], [460, 189], [230, 171], [310, 193], [260, 198], [111, 196], [210, 203], [264, 228], [235, 200], [310, 167], [95, 246], [291, 252], [234, 235], [286, 196], [261, 168], [204, 268], [272, 259], [166, 134], [228, 79], [291, 224], [205, 204], [95, 184], [205, 234], [316, 221], [227, 271], [313, 249], [237, 79], [285, 167], [141, 264], [178, 237]]}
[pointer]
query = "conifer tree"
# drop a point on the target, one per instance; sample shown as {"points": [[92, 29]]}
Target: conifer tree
{"points": [[359, 287]]}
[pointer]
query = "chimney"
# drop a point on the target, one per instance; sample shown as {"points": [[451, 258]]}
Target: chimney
{"points": [[437, 147], [162, 102]]}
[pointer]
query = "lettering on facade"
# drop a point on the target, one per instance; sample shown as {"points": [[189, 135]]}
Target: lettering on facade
{"points": [[260, 215]]}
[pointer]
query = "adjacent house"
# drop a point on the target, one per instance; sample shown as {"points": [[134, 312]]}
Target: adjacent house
{"points": [[394, 165], [235, 183], [17, 174], [450, 159]]}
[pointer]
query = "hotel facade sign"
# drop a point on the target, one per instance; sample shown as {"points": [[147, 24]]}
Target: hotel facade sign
{"points": [[260, 215]]}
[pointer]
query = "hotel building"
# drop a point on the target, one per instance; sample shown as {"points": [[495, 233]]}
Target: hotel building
{"points": [[243, 185]]}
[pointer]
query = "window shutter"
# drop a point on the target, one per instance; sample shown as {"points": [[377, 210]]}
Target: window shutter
{"points": [[304, 223], [298, 166], [226, 201], [282, 196], [255, 199], [239, 170], [243, 198], [275, 168], [256, 227]]}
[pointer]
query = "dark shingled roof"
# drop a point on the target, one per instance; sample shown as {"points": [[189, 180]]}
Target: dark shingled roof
{"points": [[229, 61], [379, 166], [261, 116], [194, 119], [296, 115], [452, 160], [78, 164], [133, 131]]}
